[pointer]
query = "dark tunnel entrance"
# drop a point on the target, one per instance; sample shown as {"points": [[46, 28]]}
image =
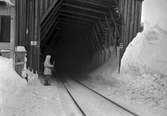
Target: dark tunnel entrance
{"points": [[73, 50], [83, 35]]}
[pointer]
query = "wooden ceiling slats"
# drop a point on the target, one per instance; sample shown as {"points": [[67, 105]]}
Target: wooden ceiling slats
{"points": [[84, 7], [99, 3], [73, 21], [45, 10], [82, 11], [75, 17], [49, 20], [63, 24], [84, 3], [78, 13]]}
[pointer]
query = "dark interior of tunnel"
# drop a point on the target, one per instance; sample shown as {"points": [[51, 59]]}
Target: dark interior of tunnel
{"points": [[72, 50], [80, 35]]}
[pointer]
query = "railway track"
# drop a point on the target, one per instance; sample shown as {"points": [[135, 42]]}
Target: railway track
{"points": [[86, 99]]}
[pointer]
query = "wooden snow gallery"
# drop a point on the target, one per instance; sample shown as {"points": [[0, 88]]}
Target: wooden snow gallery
{"points": [[80, 34]]}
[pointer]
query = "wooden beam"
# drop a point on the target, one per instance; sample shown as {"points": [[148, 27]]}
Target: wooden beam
{"points": [[56, 4], [73, 21], [79, 13], [80, 16], [87, 3], [82, 11], [99, 3], [75, 17], [97, 11], [68, 23]]}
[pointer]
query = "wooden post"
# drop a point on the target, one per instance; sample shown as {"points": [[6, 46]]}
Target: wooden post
{"points": [[12, 36]]}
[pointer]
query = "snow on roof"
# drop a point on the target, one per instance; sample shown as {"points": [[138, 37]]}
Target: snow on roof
{"points": [[20, 49], [9, 2]]}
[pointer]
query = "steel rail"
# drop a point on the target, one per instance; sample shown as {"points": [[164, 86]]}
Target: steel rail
{"points": [[111, 101]]}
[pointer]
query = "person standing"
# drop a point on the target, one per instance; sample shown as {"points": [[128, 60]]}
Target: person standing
{"points": [[48, 67]]}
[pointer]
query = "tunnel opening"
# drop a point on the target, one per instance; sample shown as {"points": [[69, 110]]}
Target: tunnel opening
{"points": [[80, 35], [83, 35], [73, 50]]}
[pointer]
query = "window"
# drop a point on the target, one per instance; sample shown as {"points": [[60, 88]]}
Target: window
{"points": [[5, 28]]}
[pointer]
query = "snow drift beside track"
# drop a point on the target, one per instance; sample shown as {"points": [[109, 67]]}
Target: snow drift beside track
{"points": [[10, 81], [147, 52]]}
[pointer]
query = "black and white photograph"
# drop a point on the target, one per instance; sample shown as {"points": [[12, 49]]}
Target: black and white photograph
{"points": [[83, 57]]}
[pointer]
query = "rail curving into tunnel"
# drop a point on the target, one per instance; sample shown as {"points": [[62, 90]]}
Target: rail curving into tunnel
{"points": [[82, 35]]}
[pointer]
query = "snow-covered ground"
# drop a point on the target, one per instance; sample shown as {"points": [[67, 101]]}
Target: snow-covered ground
{"points": [[19, 98], [10, 81]]}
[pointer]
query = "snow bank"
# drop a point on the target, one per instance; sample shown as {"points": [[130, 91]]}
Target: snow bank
{"points": [[147, 52], [144, 64], [10, 81], [20, 49]]}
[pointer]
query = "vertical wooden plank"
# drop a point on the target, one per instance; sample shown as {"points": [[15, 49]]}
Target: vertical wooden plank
{"points": [[0, 23], [41, 8], [125, 25], [24, 23], [122, 33], [12, 37], [31, 54], [139, 15], [17, 21], [28, 47], [131, 21], [134, 14], [21, 23], [37, 34], [43, 4], [135, 19], [46, 5], [128, 22]]}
